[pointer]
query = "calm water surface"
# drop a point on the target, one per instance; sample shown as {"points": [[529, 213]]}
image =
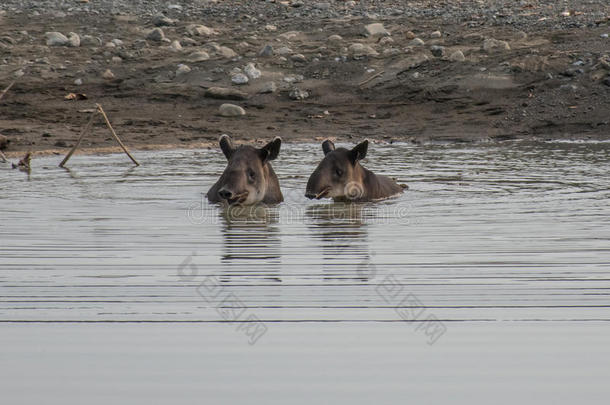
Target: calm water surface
{"points": [[491, 246]]}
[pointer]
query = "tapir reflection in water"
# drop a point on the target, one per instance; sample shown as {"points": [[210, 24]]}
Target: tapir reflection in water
{"points": [[341, 177], [248, 178]]}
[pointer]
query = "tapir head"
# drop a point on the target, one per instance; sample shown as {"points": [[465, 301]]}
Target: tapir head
{"points": [[247, 177], [339, 175]]}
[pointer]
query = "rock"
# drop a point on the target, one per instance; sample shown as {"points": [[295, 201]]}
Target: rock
{"points": [[182, 69], [335, 39], [186, 41], [78, 82], [175, 46], [3, 142], [358, 51], [269, 87], [266, 52], [409, 35], [375, 30], [270, 28], [417, 42], [231, 110], [437, 50], [491, 44], [199, 30], [294, 79], [73, 40], [436, 34], [156, 34], [117, 42], [110, 45], [108, 75], [116, 59], [88, 40], [162, 21], [226, 52], [252, 71], [457, 56], [289, 35], [239, 78], [298, 94], [224, 93], [198, 56], [298, 58], [386, 41], [284, 50], [56, 39]]}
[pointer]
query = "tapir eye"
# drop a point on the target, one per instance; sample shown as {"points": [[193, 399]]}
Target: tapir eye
{"points": [[251, 175], [339, 172]]}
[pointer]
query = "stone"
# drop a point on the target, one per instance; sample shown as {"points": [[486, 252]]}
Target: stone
{"points": [[457, 56], [73, 40], [269, 87], [156, 34], [108, 75], [224, 93], [231, 110], [284, 50], [162, 21], [294, 79], [116, 59], [359, 51], [175, 46], [436, 34], [226, 52], [56, 39], [199, 30], [78, 82], [298, 58], [490, 45], [270, 28], [335, 39], [410, 35], [198, 56], [88, 40], [386, 41], [266, 52], [298, 94], [375, 30], [417, 42], [437, 50], [117, 42], [239, 78], [252, 71], [182, 69]]}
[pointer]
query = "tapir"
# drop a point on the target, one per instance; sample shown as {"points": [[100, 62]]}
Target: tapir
{"points": [[248, 178], [341, 177]]}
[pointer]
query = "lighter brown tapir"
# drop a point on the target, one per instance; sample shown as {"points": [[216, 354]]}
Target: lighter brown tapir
{"points": [[341, 177], [248, 178]]}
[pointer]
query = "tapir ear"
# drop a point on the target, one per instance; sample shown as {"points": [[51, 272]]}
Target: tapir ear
{"points": [[271, 150], [359, 152], [328, 146], [226, 144]]}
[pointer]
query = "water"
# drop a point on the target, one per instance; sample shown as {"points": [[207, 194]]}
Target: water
{"points": [[496, 252]]}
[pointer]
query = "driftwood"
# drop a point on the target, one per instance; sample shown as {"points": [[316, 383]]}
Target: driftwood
{"points": [[3, 157], [6, 89], [87, 128]]}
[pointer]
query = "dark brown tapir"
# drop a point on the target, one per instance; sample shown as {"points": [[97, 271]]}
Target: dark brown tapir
{"points": [[248, 178], [341, 177]]}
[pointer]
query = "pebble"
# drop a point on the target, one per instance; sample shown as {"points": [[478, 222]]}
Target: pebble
{"points": [[252, 71], [491, 44], [284, 50], [162, 21], [417, 42], [298, 94], [226, 52], [604, 35], [266, 51], [56, 39], [269, 87], [231, 110], [436, 34], [358, 51], [198, 56], [156, 34], [239, 78], [199, 30], [457, 56], [410, 35], [294, 79], [375, 30], [116, 59], [298, 58], [437, 50], [182, 69], [270, 28], [108, 75], [88, 40], [335, 39], [176, 45], [73, 40], [78, 82]]}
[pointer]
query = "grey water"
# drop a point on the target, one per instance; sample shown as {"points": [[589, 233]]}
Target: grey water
{"points": [[493, 267]]}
